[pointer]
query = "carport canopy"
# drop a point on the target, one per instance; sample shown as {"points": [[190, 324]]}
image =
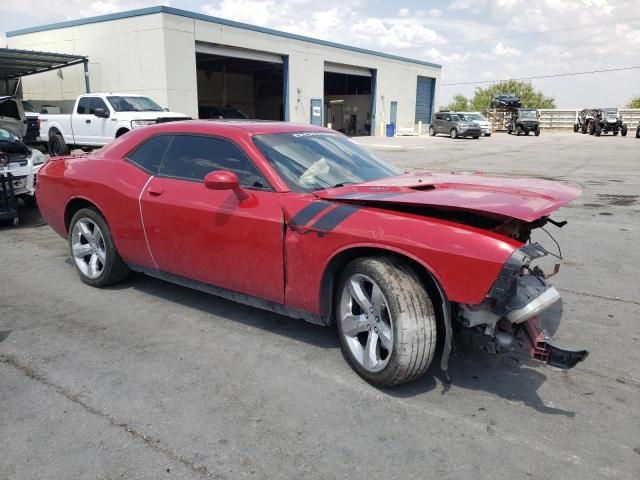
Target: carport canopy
{"points": [[20, 63]]}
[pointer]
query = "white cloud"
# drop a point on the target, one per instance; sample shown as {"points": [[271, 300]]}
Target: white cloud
{"points": [[501, 50], [404, 12], [256, 12]]}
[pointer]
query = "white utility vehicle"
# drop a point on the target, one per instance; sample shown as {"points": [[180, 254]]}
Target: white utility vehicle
{"points": [[98, 118]]}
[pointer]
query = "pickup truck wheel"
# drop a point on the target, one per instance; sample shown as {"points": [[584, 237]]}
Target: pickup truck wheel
{"points": [[386, 321], [92, 249], [57, 145]]}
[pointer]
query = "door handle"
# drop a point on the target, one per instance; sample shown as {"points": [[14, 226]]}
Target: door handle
{"points": [[155, 191], [87, 121]]}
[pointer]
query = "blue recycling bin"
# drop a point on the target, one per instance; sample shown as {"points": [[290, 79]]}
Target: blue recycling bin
{"points": [[391, 129]]}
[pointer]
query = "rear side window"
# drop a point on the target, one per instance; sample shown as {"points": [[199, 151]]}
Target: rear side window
{"points": [[439, 116], [149, 155], [97, 102], [83, 105], [192, 157]]}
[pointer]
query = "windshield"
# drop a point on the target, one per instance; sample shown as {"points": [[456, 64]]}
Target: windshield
{"points": [[529, 114], [317, 160], [134, 104], [610, 112], [475, 116]]}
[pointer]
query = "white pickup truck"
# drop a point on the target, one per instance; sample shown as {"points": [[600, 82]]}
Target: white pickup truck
{"points": [[98, 118]]}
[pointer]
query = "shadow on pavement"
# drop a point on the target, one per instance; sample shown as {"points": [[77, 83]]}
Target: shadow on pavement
{"points": [[470, 368]]}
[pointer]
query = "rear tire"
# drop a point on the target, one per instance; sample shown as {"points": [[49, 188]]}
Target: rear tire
{"points": [[575, 128], [57, 145], [518, 130], [623, 130], [93, 251], [432, 131], [395, 340], [584, 129]]}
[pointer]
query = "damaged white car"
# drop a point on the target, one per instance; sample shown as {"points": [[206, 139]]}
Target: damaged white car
{"points": [[22, 163]]}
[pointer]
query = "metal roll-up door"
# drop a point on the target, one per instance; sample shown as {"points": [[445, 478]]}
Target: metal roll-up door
{"points": [[424, 99], [346, 69]]}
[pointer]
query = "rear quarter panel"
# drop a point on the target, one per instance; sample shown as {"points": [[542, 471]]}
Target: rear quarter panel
{"points": [[112, 185]]}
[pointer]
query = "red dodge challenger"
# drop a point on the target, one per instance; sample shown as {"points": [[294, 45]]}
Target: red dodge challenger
{"points": [[302, 221]]}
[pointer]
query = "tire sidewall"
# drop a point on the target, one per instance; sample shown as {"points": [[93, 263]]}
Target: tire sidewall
{"points": [[105, 278], [367, 266]]}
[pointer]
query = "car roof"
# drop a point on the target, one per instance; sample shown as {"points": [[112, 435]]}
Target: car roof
{"points": [[228, 126]]}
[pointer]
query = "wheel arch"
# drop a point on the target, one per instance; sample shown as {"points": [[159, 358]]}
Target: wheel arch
{"points": [[425, 273], [121, 131], [75, 204], [343, 257]]}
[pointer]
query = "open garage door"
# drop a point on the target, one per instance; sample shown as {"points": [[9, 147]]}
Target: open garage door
{"points": [[348, 97], [239, 83], [424, 99]]}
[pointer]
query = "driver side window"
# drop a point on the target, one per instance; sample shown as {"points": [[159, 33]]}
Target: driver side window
{"points": [[192, 157]]}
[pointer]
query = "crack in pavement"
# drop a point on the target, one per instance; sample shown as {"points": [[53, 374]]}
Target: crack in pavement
{"points": [[147, 440], [601, 297]]}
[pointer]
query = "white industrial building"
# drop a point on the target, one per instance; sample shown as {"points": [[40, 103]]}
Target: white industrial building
{"points": [[196, 64]]}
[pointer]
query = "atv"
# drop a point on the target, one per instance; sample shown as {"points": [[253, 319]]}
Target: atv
{"points": [[524, 120], [607, 120], [585, 116]]}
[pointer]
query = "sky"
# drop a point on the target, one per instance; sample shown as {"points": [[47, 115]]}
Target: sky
{"points": [[474, 40]]}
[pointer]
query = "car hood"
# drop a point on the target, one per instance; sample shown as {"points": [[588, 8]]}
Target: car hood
{"points": [[526, 199]]}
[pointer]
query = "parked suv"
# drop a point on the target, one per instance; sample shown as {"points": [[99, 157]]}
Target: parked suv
{"points": [[524, 120], [480, 119], [607, 120], [454, 124]]}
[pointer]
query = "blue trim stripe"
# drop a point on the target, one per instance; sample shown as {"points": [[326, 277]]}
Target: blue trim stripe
{"points": [[206, 18]]}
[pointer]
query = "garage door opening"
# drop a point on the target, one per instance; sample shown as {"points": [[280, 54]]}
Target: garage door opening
{"points": [[246, 85], [348, 94]]}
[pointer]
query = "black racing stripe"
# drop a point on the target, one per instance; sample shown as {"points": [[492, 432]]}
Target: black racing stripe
{"points": [[307, 213], [334, 217]]}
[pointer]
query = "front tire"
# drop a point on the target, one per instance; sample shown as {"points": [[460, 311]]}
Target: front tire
{"points": [[598, 130], [537, 132], [93, 251], [386, 321], [57, 145], [623, 130], [453, 133]]}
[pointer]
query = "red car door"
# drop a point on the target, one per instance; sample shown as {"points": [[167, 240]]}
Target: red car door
{"points": [[211, 235]]}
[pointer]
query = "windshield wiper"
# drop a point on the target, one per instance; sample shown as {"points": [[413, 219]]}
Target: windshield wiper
{"points": [[343, 184]]}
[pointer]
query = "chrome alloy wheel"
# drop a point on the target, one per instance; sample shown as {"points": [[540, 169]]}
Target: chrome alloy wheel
{"points": [[366, 322], [87, 246]]}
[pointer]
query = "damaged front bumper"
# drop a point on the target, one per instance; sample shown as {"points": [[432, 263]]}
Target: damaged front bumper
{"points": [[509, 315]]}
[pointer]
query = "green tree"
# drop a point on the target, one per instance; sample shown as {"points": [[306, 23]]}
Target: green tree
{"points": [[529, 97], [460, 103], [635, 103]]}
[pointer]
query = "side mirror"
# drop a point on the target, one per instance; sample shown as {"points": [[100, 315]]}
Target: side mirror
{"points": [[225, 180], [101, 113]]}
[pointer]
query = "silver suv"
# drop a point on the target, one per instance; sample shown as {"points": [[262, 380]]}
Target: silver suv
{"points": [[454, 124]]}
